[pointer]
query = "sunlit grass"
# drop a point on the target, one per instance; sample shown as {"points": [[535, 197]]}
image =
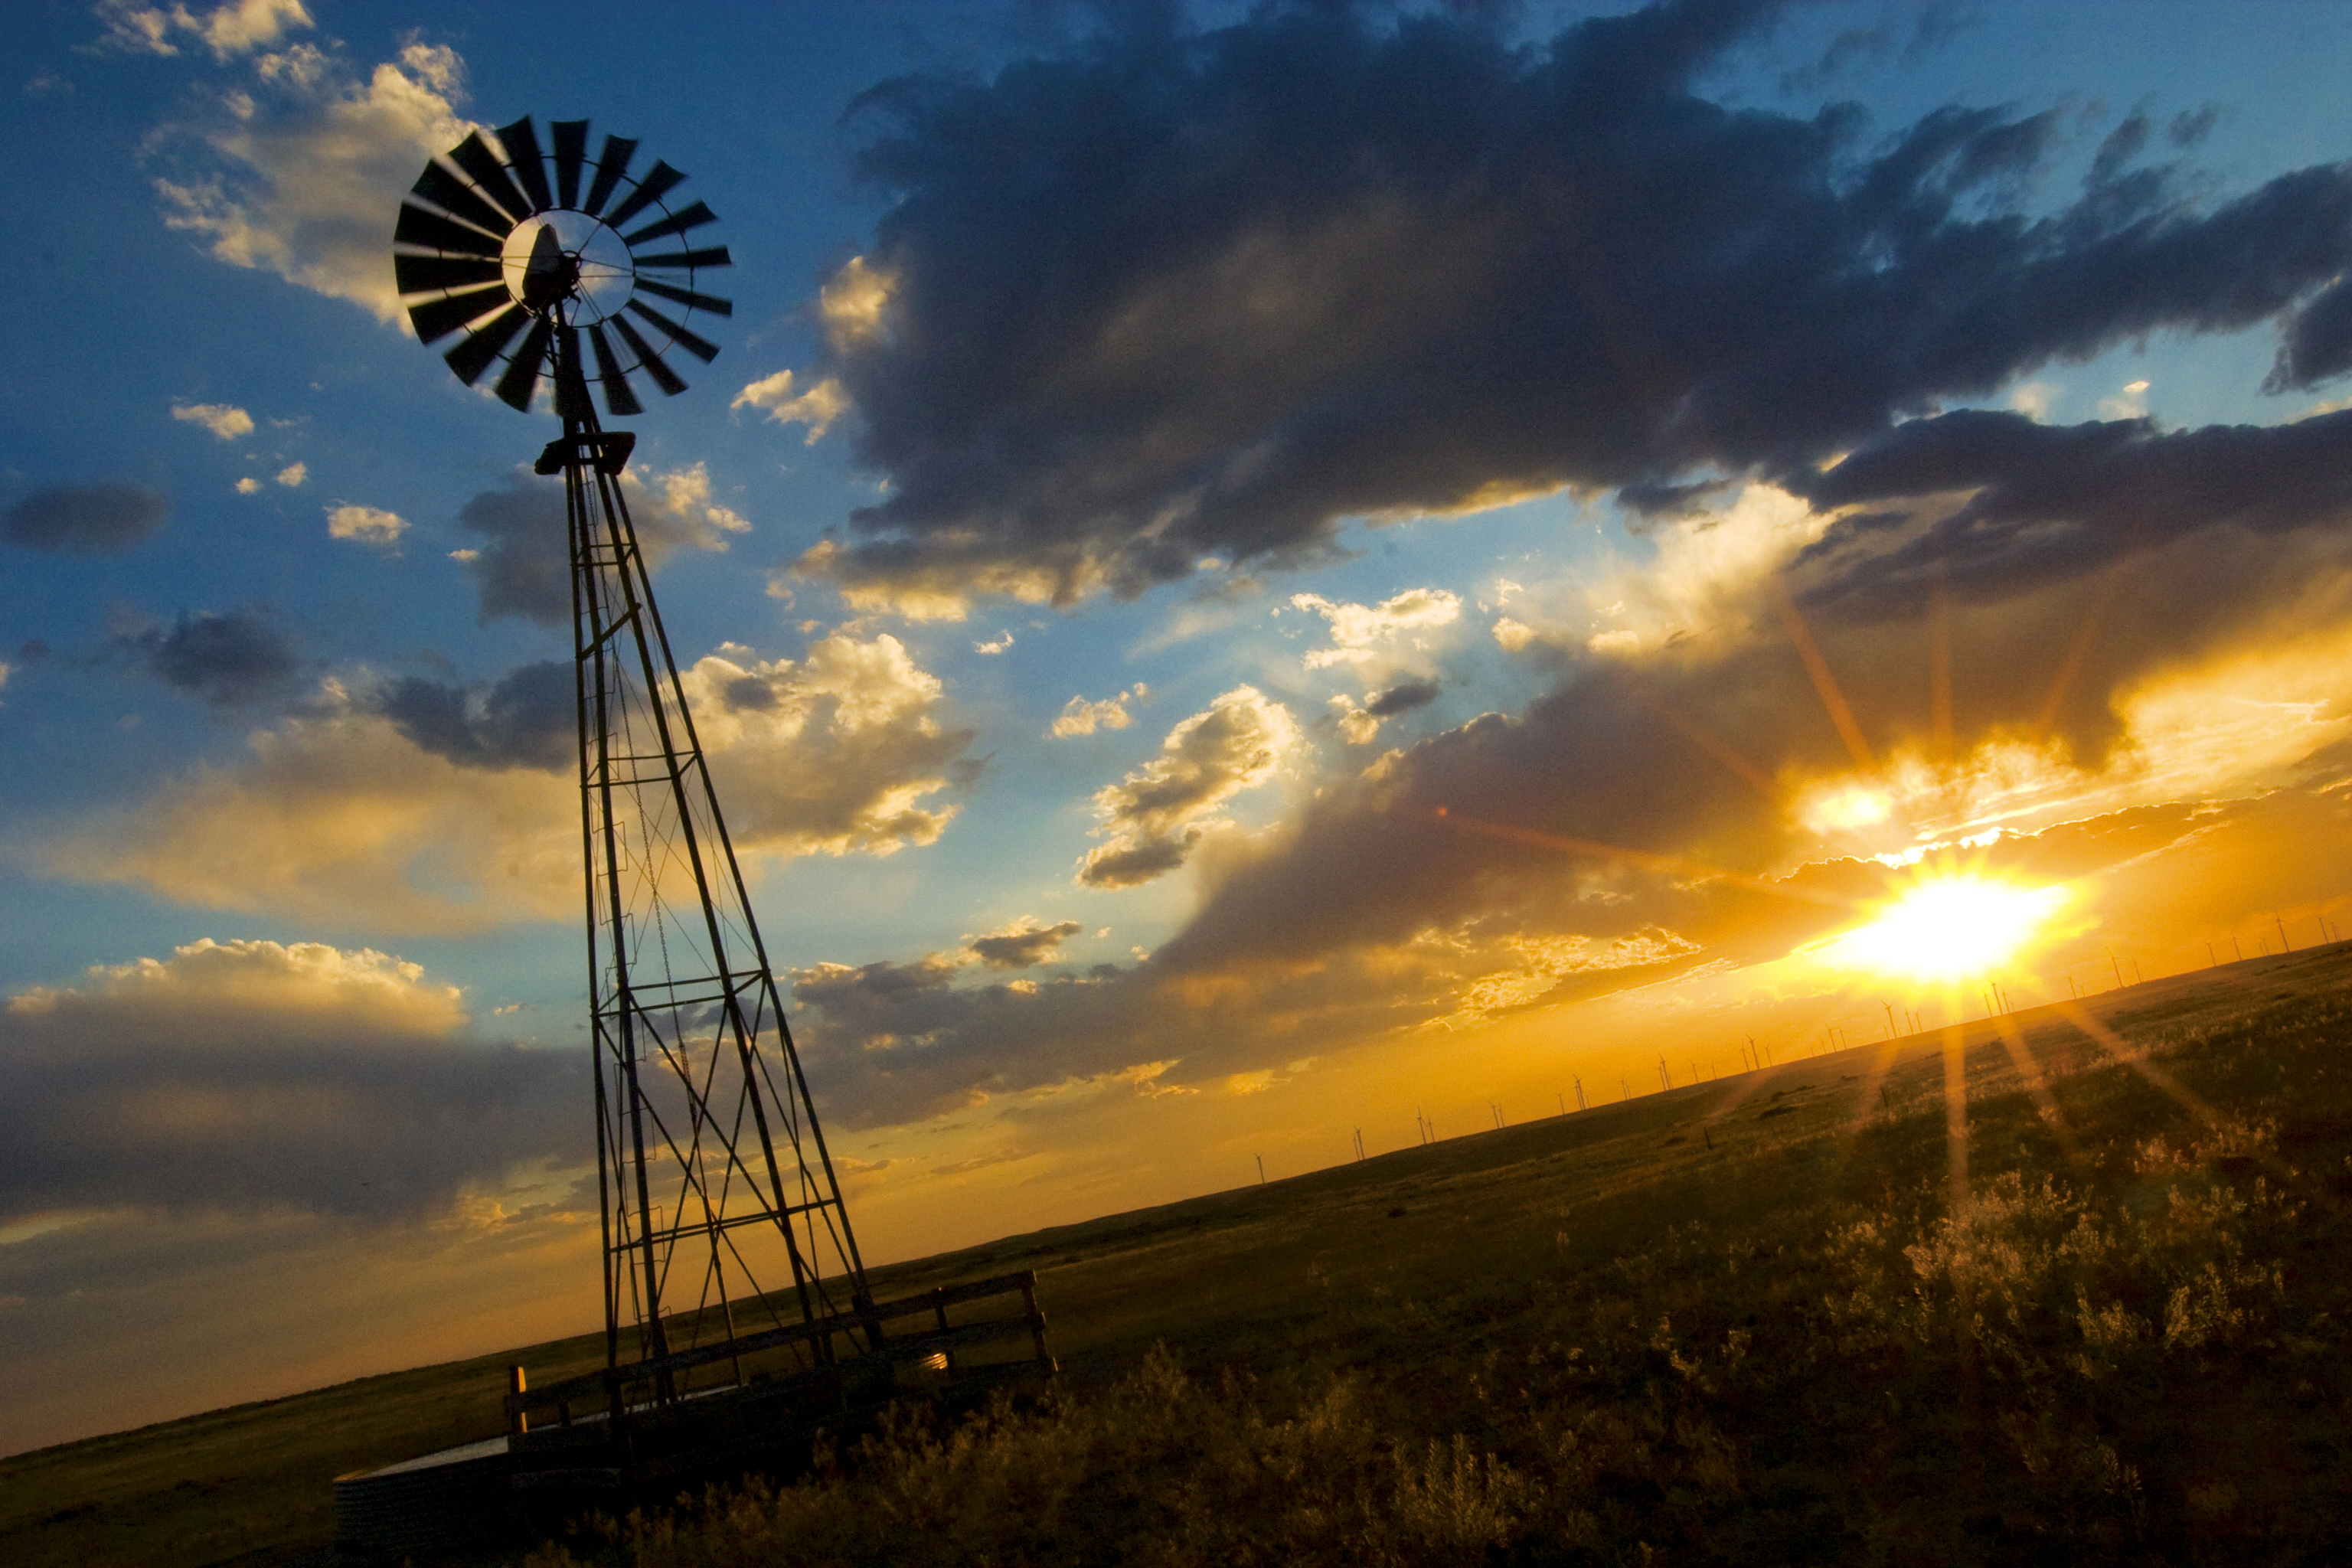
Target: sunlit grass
{"points": [[1640, 1346]]}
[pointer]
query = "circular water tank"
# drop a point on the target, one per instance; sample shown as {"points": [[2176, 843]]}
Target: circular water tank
{"points": [[459, 1497]]}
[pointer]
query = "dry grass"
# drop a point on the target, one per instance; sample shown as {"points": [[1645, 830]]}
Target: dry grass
{"points": [[2123, 1346]]}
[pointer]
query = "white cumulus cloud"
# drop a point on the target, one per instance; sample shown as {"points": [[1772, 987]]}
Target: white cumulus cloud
{"points": [[817, 407], [366, 524], [853, 301], [232, 27], [1359, 632], [682, 509], [1080, 717], [262, 1076], [1154, 817], [302, 180], [225, 420], [345, 815]]}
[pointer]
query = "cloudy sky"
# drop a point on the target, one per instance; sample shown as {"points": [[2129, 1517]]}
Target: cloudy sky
{"points": [[1248, 573]]}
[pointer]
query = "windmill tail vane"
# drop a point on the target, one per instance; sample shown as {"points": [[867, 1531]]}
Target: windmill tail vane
{"points": [[721, 1214]]}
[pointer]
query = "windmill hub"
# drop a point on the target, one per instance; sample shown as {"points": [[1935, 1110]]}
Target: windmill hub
{"points": [[567, 257]]}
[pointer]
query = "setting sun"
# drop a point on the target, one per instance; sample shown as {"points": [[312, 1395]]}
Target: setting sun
{"points": [[1945, 927]]}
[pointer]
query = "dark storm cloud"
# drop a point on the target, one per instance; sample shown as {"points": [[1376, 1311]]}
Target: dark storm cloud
{"points": [[883, 983], [891, 1043], [1936, 24], [1636, 813], [86, 519], [2051, 502], [154, 1090], [2319, 341], [1643, 774], [900, 1042], [1401, 698], [1649, 501], [1025, 945], [1174, 294], [227, 659], [1129, 862], [523, 566], [530, 719]]}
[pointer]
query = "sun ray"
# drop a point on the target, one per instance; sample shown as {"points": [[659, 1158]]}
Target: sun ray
{"points": [[1672, 864], [1840, 712], [2144, 1063], [1956, 1117], [1690, 729], [1939, 670], [1882, 1063], [2110, 584], [2030, 1073]]}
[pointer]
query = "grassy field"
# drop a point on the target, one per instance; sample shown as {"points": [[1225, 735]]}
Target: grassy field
{"points": [[1764, 1320]]}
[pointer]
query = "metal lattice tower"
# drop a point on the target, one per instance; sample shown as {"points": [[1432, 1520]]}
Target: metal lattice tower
{"points": [[721, 1213]]}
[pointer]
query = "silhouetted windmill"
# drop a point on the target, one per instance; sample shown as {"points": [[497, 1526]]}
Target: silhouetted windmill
{"points": [[723, 1218]]}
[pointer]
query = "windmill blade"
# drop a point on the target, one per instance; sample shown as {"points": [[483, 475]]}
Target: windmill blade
{"points": [[472, 357], [714, 256], [522, 377], [618, 399], [529, 164], [702, 349], [687, 297], [452, 194], [423, 274], [659, 179], [478, 161], [571, 152], [611, 165], [694, 216], [439, 318], [663, 377], [431, 231]]}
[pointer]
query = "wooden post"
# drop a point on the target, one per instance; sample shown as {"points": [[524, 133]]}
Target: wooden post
{"points": [[1036, 1318], [515, 1385]]}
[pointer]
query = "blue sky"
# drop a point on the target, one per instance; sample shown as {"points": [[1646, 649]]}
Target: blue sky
{"points": [[1317, 419]]}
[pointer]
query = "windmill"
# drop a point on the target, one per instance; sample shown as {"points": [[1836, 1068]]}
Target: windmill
{"points": [[738, 1320], [721, 1214]]}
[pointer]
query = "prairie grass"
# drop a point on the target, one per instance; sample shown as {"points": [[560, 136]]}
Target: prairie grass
{"points": [[2123, 1345]]}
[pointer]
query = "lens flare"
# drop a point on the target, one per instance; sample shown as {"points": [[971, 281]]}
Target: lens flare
{"points": [[1948, 927]]}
